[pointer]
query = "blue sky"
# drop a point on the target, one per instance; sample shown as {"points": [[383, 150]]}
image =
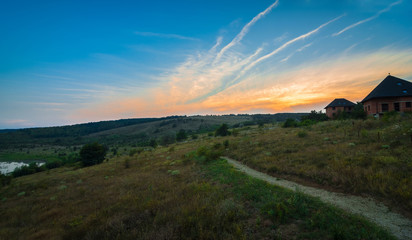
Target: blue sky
{"points": [[67, 62]]}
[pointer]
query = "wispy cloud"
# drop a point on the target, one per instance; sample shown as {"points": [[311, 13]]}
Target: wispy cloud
{"points": [[301, 88], [285, 45], [367, 19], [165, 35], [200, 77], [298, 50], [279, 49], [245, 30]]}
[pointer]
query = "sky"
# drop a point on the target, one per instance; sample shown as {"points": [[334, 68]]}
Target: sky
{"points": [[68, 62]]}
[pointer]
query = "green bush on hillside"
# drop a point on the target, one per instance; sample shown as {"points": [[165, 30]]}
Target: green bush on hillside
{"points": [[92, 153], [223, 130], [181, 135], [5, 179], [290, 122]]}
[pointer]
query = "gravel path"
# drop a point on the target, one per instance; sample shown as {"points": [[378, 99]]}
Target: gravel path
{"points": [[378, 213]]}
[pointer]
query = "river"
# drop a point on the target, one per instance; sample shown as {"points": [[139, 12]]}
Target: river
{"points": [[8, 167]]}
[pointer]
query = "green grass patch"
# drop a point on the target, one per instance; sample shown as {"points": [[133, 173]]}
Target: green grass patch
{"points": [[315, 220]]}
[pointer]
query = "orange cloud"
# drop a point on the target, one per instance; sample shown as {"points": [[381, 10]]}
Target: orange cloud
{"points": [[301, 88]]}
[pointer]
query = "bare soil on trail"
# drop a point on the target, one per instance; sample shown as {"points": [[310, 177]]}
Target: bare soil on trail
{"points": [[376, 212]]}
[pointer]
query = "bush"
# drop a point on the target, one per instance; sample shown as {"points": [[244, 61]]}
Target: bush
{"points": [[181, 135], [54, 164], [207, 154], [92, 153], [27, 170], [153, 143], [5, 179], [302, 134], [223, 130], [290, 122], [314, 117]]}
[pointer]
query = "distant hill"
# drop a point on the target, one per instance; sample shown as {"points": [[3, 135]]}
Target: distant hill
{"points": [[138, 130]]}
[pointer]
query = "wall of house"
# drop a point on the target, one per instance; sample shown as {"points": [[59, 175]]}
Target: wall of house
{"points": [[374, 106], [331, 112]]}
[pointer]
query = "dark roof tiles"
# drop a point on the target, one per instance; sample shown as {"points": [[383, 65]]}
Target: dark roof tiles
{"points": [[341, 102], [390, 87]]}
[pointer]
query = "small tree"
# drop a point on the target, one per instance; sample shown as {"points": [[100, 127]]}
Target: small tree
{"points": [[359, 111], [181, 135], [223, 130], [315, 116], [290, 122], [153, 143], [92, 153]]}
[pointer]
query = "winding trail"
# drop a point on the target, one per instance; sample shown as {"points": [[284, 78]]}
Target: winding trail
{"points": [[399, 226]]}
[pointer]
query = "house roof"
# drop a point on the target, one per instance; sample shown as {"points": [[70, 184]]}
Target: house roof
{"points": [[390, 87], [340, 102]]}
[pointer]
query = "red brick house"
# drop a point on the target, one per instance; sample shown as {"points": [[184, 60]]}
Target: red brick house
{"points": [[392, 94], [337, 106]]}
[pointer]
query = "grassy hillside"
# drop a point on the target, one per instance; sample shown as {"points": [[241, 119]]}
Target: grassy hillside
{"points": [[128, 131], [176, 192], [361, 157]]}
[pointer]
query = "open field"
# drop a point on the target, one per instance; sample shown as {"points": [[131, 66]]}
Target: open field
{"points": [[181, 191], [371, 157], [174, 192]]}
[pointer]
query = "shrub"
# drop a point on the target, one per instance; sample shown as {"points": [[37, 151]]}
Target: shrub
{"points": [[27, 170], [181, 135], [92, 153], [226, 143], [5, 179], [54, 164], [208, 154], [153, 143], [314, 117], [389, 116], [223, 130], [302, 134], [126, 163], [290, 122]]}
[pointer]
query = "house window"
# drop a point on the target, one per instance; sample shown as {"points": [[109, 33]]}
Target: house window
{"points": [[384, 107], [333, 108], [396, 106], [408, 104], [369, 107], [405, 91], [399, 83]]}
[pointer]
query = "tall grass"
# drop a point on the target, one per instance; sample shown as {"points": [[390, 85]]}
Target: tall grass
{"points": [[371, 156]]}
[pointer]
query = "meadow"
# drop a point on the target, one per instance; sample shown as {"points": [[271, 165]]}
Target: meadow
{"points": [[363, 157], [182, 191]]}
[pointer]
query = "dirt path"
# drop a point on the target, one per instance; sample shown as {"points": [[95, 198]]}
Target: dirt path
{"points": [[398, 225]]}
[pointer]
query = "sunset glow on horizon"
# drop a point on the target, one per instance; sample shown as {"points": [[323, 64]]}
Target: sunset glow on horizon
{"points": [[71, 62]]}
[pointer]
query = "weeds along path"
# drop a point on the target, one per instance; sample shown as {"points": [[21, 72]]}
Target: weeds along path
{"points": [[378, 213]]}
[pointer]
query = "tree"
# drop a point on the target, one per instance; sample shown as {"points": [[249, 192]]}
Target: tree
{"points": [[181, 135], [315, 116], [92, 153], [153, 143], [290, 122], [359, 111], [223, 130]]}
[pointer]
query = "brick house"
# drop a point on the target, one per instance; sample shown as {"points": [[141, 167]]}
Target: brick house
{"points": [[337, 106], [392, 94]]}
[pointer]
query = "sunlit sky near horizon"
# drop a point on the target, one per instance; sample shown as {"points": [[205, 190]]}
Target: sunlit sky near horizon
{"points": [[68, 62]]}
